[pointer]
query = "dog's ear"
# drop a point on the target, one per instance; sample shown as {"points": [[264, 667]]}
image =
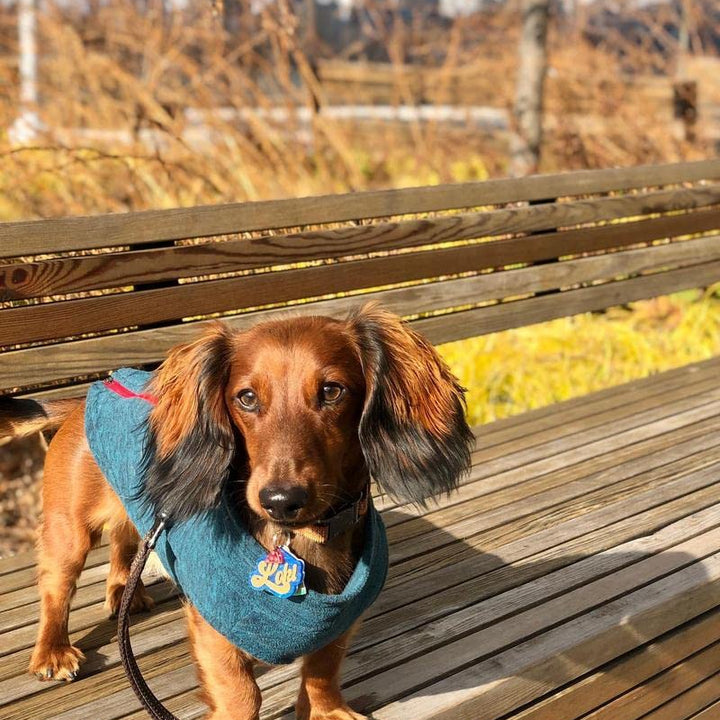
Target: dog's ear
{"points": [[191, 439], [413, 430]]}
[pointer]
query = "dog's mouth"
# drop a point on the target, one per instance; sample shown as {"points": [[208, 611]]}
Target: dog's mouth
{"points": [[317, 517]]}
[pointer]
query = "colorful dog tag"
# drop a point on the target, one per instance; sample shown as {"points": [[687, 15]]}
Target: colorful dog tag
{"points": [[280, 573]]}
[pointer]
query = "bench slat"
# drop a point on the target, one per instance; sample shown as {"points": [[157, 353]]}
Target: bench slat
{"points": [[485, 648], [680, 532], [62, 234], [42, 364], [640, 456], [532, 668], [74, 317], [604, 423], [628, 674], [711, 712], [96, 709], [109, 270], [503, 316], [695, 698], [680, 680]]}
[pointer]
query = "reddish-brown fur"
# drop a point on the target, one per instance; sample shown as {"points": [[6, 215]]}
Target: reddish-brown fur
{"points": [[294, 438]]}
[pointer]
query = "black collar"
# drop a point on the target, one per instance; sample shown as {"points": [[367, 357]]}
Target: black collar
{"points": [[339, 522]]}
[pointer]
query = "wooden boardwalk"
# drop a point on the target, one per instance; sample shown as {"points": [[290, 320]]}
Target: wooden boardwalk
{"points": [[575, 575]]}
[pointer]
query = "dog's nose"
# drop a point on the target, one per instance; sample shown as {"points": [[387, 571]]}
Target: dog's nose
{"points": [[283, 502]]}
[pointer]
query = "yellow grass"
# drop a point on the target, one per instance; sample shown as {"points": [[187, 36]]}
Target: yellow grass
{"points": [[516, 370]]}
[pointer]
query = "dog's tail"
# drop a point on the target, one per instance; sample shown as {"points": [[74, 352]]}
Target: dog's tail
{"points": [[20, 417]]}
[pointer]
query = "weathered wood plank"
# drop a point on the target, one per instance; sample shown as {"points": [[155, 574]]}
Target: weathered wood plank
{"points": [[489, 688], [427, 577], [74, 317], [679, 453], [675, 684], [20, 691], [430, 572], [52, 277], [458, 519], [60, 234], [646, 419], [678, 532], [23, 368], [503, 316], [542, 432], [281, 696], [581, 407], [563, 594], [27, 592], [580, 623], [27, 612], [627, 673], [27, 559], [696, 698], [88, 715], [514, 567], [563, 476], [49, 701], [627, 438], [593, 441], [81, 618], [711, 712]]}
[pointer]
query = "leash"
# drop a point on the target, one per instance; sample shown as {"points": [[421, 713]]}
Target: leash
{"points": [[144, 694], [141, 689]]}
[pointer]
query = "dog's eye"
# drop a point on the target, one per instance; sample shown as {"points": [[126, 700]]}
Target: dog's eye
{"points": [[331, 393], [248, 400]]}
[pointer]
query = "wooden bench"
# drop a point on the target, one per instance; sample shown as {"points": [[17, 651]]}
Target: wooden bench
{"points": [[577, 572]]}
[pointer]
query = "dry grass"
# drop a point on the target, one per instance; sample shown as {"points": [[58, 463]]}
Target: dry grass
{"points": [[142, 110]]}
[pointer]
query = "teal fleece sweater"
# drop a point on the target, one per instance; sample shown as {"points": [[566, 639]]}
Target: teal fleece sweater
{"points": [[212, 556]]}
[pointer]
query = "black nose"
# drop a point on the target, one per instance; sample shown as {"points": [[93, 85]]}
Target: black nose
{"points": [[283, 502]]}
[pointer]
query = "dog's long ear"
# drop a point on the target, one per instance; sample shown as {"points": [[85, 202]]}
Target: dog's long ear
{"points": [[413, 431], [191, 439]]}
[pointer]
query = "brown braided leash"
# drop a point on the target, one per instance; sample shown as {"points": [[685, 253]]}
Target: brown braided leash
{"points": [[146, 696]]}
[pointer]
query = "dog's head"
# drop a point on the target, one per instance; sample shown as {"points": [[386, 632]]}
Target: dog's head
{"points": [[299, 413]]}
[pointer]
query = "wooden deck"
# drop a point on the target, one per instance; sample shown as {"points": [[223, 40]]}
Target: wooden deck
{"points": [[575, 575]]}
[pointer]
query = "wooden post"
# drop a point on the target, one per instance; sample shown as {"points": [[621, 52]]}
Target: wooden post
{"points": [[527, 140], [27, 124], [685, 106]]}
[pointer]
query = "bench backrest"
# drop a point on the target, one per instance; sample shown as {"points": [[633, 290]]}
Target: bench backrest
{"points": [[83, 295]]}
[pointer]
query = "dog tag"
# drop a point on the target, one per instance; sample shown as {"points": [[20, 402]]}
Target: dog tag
{"points": [[281, 573]]}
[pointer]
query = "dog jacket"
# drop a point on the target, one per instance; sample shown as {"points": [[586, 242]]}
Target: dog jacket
{"points": [[211, 556]]}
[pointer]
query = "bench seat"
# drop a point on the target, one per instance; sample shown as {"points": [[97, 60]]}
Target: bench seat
{"points": [[576, 574]]}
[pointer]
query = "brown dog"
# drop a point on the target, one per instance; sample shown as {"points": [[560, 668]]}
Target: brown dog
{"points": [[294, 416]]}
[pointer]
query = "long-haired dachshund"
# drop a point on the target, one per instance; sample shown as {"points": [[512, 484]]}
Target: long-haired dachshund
{"points": [[294, 416]]}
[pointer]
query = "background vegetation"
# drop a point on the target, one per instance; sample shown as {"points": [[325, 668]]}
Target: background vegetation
{"points": [[143, 105]]}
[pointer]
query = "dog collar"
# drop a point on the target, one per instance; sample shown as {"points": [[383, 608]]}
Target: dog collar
{"points": [[336, 524]]}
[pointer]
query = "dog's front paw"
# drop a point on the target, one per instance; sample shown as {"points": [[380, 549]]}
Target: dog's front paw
{"points": [[56, 663], [339, 713], [141, 602]]}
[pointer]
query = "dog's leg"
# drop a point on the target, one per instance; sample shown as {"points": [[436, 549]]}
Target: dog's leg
{"points": [[77, 501], [62, 550], [124, 540], [320, 696], [226, 672]]}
